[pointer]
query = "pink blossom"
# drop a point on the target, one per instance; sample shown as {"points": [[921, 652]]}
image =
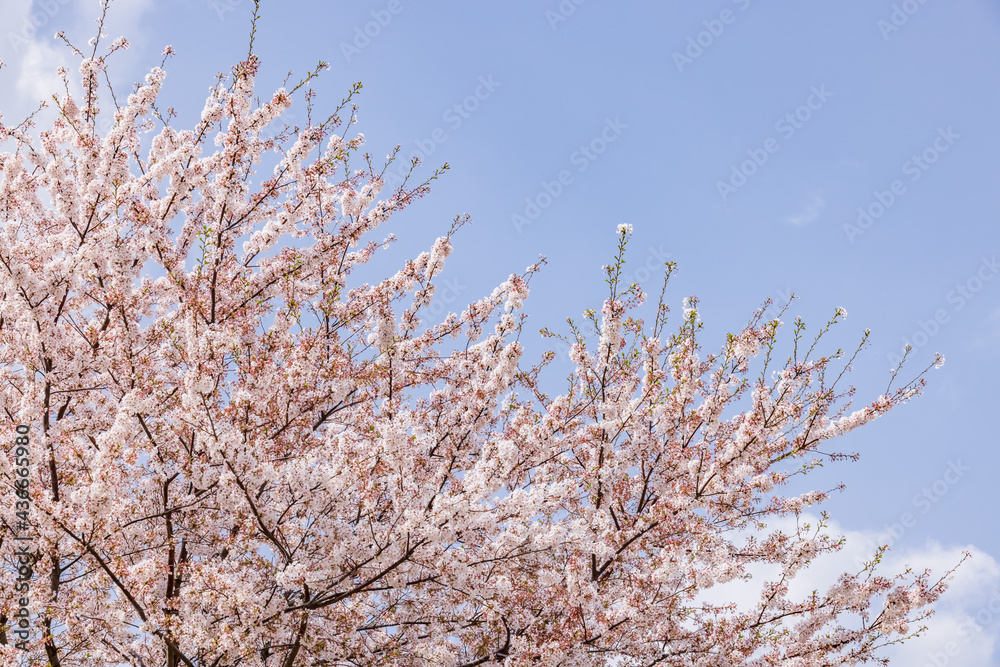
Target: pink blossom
{"points": [[258, 458]]}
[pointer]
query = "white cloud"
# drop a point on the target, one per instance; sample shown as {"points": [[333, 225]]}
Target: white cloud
{"points": [[31, 54], [37, 77], [988, 334], [966, 623], [809, 214], [964, 628]]}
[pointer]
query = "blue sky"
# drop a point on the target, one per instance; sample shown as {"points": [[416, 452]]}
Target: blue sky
{"points": [[740, 139]]}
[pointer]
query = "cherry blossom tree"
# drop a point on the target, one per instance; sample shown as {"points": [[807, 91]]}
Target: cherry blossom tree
{"points": [[236, 453]]}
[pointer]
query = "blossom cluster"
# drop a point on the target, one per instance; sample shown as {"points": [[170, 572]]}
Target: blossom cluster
{"points": [[247, 456]]}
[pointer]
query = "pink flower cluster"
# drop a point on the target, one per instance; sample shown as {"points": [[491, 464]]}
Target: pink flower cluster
{"points": [[256, 459]]}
